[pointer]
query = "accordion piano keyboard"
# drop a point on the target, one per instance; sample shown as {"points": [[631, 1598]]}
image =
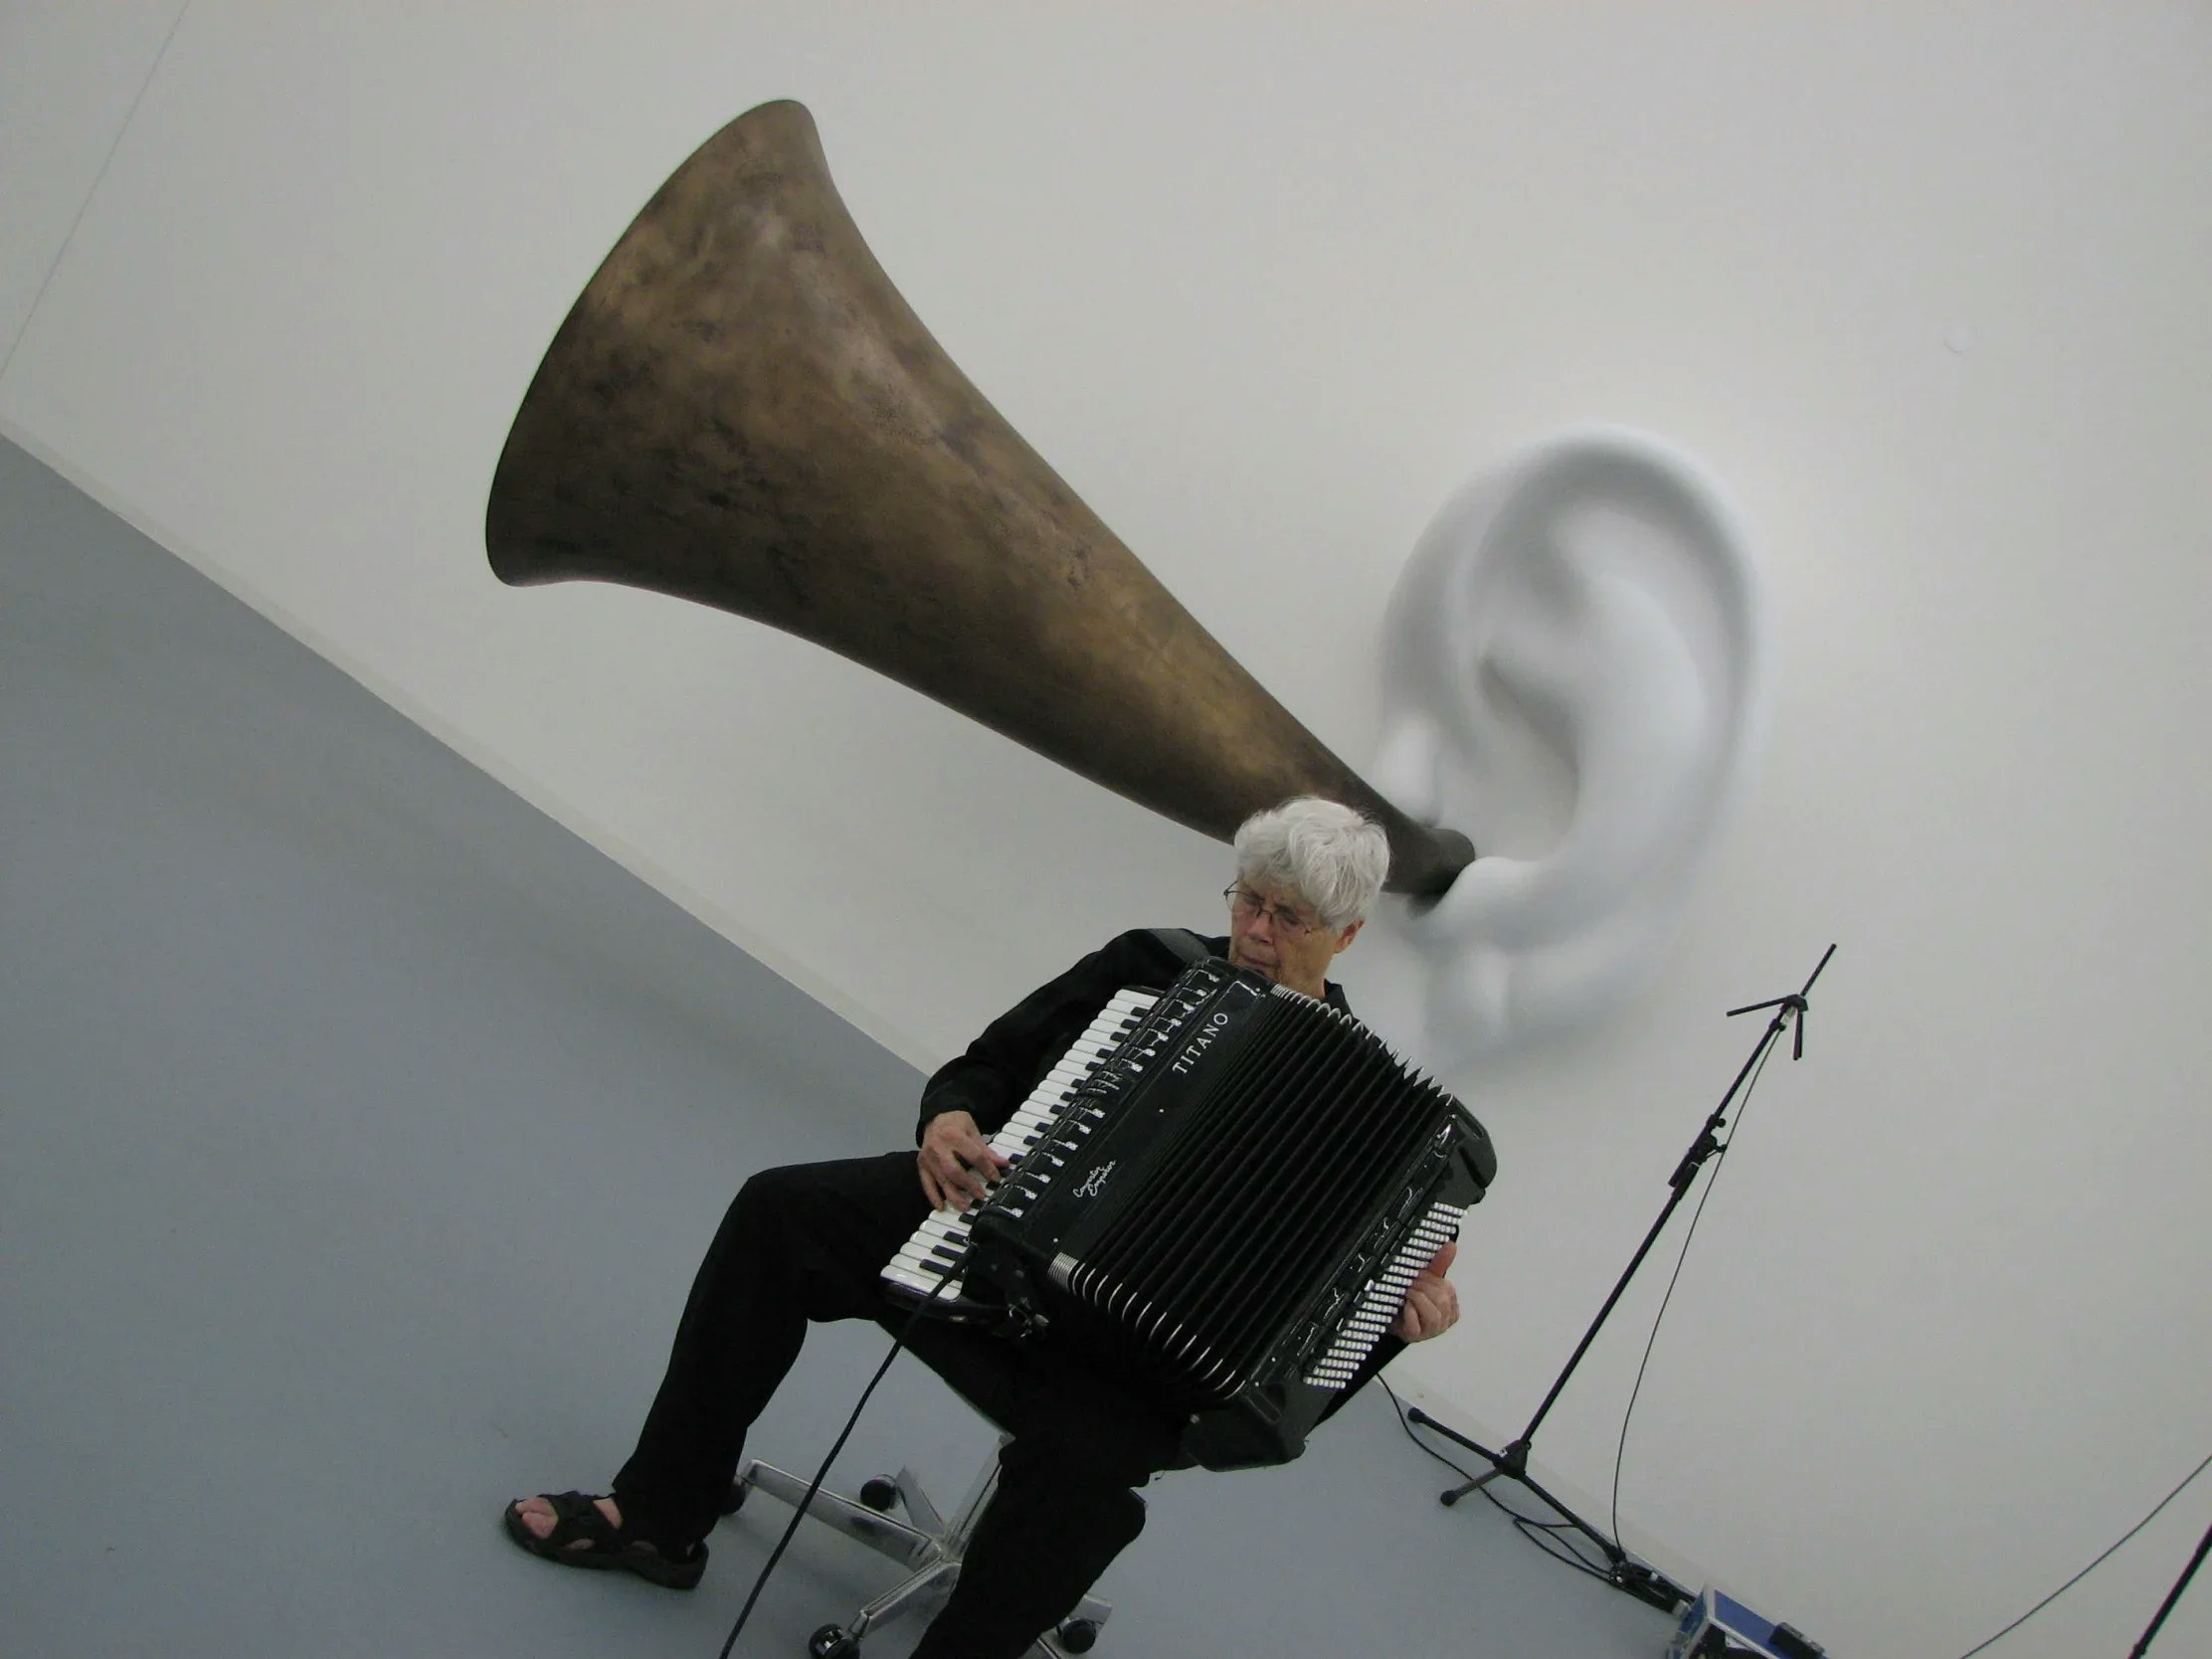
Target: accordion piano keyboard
{"points": [[929, 1264]]}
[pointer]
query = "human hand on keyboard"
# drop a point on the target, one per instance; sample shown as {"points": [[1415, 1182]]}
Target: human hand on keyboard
{"points": [[1431, 1305], [956, 1164]]}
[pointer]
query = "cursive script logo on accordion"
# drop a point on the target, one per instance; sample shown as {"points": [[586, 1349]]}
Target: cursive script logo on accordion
{"points": [[1095, 1180]]}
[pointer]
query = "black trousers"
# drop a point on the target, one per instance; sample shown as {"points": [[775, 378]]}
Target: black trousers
{"points": [[808, 1242]]}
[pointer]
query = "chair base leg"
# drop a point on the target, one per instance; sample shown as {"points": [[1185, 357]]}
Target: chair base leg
{"points": [[885, 1534], [931, 1547]]}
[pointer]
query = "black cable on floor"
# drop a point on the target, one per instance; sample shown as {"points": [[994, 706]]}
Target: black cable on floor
{"points": [[1551, 1545], [1545, 1535], [799, 1510], [2092, 1566]]}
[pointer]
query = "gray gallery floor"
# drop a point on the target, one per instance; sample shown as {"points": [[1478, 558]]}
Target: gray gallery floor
{"points": [[359, 1129]]}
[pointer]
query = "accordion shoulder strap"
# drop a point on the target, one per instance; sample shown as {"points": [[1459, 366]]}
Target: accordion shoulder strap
{"points": [[1185, 944]]}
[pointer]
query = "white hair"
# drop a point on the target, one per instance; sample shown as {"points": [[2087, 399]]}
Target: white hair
{"points": [[1328, 854]]}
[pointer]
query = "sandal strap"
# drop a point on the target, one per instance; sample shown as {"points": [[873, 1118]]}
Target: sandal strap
{"points": [[577, 1518]]}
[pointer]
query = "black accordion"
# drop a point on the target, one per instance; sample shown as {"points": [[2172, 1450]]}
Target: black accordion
{"points": [[1222, 1192]]}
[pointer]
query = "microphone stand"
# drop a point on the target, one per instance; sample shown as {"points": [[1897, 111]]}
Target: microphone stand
{"points": [[1644, 1583], [2196, 1561]]}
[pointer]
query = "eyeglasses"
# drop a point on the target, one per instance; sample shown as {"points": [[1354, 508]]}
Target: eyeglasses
{"points": [[1245, 904]]}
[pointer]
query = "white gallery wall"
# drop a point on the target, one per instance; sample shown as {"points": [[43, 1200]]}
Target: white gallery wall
{"points": [[1923, 287]]}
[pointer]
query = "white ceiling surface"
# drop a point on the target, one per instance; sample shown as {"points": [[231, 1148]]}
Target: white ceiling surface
{"points": [[1923, 285]]}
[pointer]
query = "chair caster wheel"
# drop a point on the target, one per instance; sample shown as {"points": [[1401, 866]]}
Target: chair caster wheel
{"points": [[879, 1494], [736, 1499], [832, 1643], [1079, 1635]]}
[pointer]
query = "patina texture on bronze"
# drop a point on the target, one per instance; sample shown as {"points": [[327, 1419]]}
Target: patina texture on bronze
{"points": [[741, 410]]}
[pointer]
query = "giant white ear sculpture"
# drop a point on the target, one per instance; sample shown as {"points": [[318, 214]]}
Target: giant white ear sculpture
{"points": [[1574, 676]]}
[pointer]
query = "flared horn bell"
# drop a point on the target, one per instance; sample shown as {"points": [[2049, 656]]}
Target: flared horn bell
{"points": [[740, 410]]}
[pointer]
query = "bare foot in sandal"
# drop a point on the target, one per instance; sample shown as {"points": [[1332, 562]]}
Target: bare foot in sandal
{"points": [[572, 1529], [537, 1514]]}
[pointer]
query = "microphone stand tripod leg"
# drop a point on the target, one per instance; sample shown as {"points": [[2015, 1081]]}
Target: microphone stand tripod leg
{"points": [[1513, 1461], [1622, 1571]]}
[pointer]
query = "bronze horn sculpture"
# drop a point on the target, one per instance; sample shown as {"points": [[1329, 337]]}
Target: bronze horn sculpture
{"points": [[741, 410]]}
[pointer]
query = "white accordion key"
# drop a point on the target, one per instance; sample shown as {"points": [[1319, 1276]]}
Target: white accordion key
{"points": [[928, 1263]]}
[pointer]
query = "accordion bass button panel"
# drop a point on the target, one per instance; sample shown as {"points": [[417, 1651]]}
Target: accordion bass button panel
{"points": [[928, 1266], [1385, 1295]]}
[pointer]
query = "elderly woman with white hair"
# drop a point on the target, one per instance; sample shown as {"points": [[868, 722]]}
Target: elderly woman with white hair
{"points": [[809, 1242]]}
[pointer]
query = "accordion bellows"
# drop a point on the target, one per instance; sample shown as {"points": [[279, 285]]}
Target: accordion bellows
{"points": [[1222, 1192]]}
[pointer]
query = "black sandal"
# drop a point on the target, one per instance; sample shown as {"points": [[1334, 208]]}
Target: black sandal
{"points": [[583, 1537]]}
